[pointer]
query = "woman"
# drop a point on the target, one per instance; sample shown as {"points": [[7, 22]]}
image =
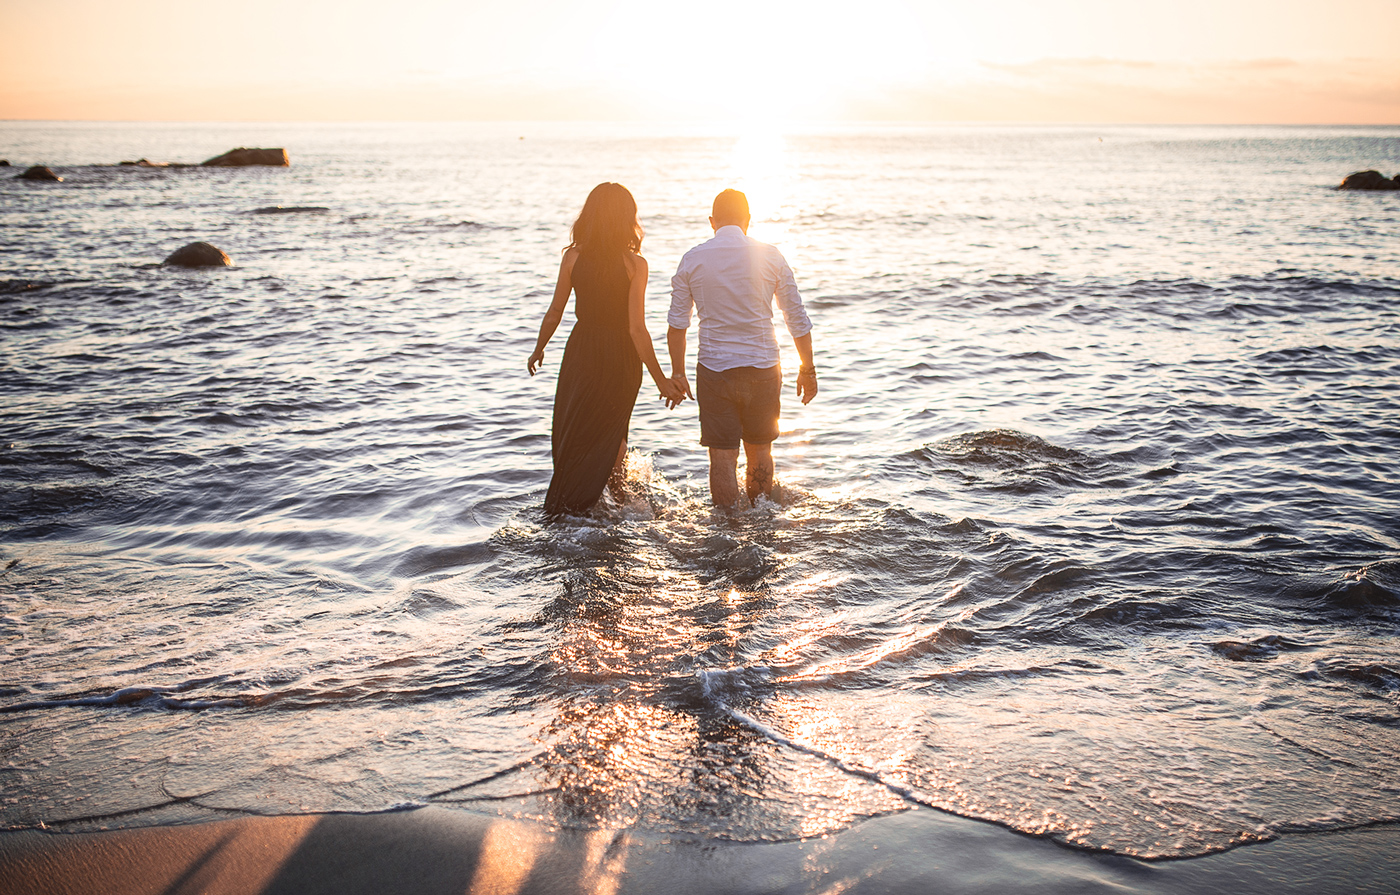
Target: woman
{"points": [[602, 366]]}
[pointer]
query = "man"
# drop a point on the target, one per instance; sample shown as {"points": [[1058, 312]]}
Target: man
{"points": [[732, 280]]}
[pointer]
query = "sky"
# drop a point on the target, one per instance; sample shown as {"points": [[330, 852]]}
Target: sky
{"points": [[1113, 61]]}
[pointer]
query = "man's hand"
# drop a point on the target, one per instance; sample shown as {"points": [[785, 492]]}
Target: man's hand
{"points": [[671, 392], [807, 383], [682, 386]]}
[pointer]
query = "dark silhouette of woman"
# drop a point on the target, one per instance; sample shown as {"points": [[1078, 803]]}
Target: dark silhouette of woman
{"points": [[602, 366]]}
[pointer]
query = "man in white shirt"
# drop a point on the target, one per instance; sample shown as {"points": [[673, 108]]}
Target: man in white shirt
{"points": [[731, 280]]}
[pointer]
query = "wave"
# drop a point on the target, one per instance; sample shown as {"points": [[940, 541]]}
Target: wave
{"points": [[1017, 462]]}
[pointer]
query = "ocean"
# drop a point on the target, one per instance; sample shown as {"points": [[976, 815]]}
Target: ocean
{"points": [[1093, 530]]}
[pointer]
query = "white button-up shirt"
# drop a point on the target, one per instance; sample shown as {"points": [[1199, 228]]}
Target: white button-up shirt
{"points": [[732, 280]]}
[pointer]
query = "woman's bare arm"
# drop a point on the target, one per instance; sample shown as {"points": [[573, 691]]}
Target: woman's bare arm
{"points": [[637, 325], [555, 314]]}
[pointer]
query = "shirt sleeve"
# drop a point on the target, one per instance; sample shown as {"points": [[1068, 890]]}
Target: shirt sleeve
{"points": [[790, 301], [682, 301]]}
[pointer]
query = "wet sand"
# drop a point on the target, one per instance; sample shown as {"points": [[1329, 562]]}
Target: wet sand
{"points": [[434, 850]]}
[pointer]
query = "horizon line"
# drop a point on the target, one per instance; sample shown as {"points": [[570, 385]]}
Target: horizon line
{"points": [[697, 122]]}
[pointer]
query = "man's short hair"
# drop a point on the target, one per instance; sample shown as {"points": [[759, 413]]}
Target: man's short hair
{"points": [[731, 205]]}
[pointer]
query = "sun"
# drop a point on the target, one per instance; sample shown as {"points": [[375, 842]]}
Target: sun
{"points": [[760, 168], [755, 63]]}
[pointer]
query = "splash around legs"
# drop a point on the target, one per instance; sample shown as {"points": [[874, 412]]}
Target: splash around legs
{"points": [[724, 475]]}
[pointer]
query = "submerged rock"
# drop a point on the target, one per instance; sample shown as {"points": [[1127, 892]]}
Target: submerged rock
{"points": [[240, 157], [1370, 180], [147, 163], [1255, 650], [198, 254], [39, 172], [291, 209], [10, 287]]}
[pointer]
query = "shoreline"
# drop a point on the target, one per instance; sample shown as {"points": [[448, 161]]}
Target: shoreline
{"points": [[438, 850]]}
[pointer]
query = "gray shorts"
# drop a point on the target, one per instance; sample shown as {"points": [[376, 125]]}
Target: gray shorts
{"points": [[738, 404]]}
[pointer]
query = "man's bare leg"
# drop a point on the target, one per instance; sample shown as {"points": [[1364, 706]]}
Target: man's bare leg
{"points": [[724, 477], [758, 470], [617, 479]]}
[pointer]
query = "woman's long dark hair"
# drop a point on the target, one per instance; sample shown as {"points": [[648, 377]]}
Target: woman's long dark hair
{"points": [[608, 223]]}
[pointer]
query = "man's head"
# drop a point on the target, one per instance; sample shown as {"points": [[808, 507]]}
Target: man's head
{"points": [[731, 207]]}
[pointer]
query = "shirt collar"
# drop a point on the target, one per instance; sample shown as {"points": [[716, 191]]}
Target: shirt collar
{"points": [[730, 231]]}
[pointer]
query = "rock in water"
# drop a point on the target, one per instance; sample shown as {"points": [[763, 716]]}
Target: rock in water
{"points": [[4, 163], [39, 172], [1370, 180], [291, 209], [198, 254], [237, 158]]}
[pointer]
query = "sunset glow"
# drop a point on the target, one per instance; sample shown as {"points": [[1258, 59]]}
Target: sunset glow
{"points": [[729, 61]]}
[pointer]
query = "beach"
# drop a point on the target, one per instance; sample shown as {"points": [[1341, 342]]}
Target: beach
{"points": [[1082, 572], [436, 851]]}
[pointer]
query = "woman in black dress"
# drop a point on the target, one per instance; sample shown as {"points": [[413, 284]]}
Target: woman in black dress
{"points": [[602, 366]]}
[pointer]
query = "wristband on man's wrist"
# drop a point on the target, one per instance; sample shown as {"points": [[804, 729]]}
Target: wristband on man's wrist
{"points": [[805, 369]]}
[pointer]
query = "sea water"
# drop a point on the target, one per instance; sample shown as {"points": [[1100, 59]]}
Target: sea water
{"points": [[1092, 531]]}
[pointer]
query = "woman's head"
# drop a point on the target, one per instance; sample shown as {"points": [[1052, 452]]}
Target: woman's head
{"points": [[608, 222]]}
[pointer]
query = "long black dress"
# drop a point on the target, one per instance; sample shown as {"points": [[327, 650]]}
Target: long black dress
{"points": [[598, 381]]}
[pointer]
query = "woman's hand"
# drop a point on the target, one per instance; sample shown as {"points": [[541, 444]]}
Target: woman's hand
{"points": [[536, 361], [682, 383], [672, 393]]}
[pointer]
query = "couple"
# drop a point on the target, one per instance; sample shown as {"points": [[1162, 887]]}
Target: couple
{"points": [[732, 281]]}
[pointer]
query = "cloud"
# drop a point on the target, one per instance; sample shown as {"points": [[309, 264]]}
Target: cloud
{"points": [[1041, 67], [1263, 64], [405, 101], [1102, 90]]}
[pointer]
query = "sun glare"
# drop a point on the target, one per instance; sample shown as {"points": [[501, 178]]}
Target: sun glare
{"points": [[758, 166], [758, 62]]}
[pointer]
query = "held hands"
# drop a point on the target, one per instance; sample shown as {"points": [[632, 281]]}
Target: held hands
{"points": [[536, 361], [673, 391], [682, 389]]}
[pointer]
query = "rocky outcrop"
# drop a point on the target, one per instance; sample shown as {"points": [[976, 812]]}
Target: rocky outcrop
{"points": [[198, 254], [39, 172], [4, 163], [237, 158], [1370, 180], [234, 158]]}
